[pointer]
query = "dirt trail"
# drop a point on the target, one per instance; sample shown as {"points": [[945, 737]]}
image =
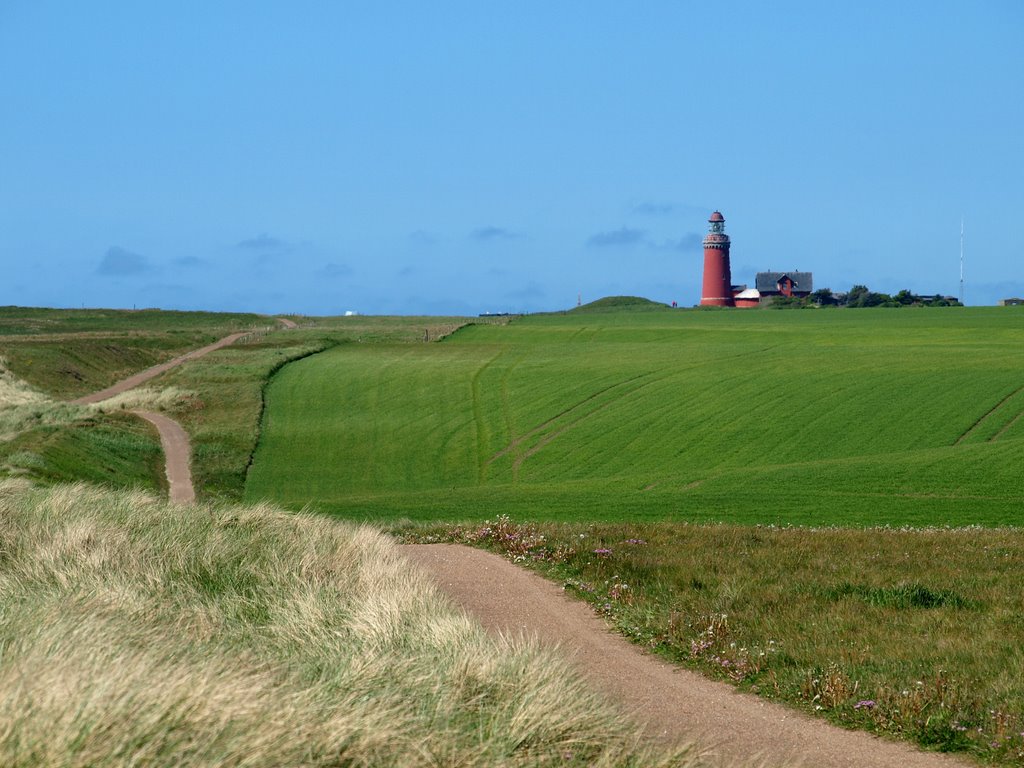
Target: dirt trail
{"points": [[177, 455], [673, 703], [173, 439], [151, 373]]}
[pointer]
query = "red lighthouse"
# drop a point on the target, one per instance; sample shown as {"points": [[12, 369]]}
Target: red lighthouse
{"points": [[717, 288]]}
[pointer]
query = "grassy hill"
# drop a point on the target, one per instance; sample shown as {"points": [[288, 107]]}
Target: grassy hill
{"points": [[72, 352], [48, 356], [139, 633], [626, 421], [860, 418], [618, 304]]}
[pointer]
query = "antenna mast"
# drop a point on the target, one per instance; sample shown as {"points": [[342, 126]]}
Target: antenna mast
{"points": [[961, 259]]}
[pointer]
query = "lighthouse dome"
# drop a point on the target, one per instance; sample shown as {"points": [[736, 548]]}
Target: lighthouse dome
{"points": [[716, 216]]}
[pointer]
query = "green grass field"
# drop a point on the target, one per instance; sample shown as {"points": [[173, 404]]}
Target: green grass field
{"points": [[223, 417], [857, 418]]}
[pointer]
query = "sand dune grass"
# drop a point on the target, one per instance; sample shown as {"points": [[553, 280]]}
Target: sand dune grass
{"points": [[133, 632], [24, 407], [49, 440]]}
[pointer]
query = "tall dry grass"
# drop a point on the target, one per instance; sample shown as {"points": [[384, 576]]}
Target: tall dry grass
{"points": [[22, 407], [133, 632]]}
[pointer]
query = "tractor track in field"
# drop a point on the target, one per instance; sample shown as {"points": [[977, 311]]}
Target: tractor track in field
{"points": [[988, 414], [518, 441], [672, 704], [555, 434], [1006, 427]]}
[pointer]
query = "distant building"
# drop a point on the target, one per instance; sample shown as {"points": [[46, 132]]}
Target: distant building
{"points": [[797, 284], [747, 297], [1011, 302]]}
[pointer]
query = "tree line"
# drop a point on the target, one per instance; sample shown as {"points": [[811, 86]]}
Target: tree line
{"points": [[862, 296]]}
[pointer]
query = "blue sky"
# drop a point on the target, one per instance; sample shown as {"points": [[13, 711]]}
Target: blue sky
{"points": [[464, 157]]}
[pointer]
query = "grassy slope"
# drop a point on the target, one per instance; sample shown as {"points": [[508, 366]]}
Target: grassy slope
{"points": [[224, 417], [60, 354], [117, 449], [65, 353], [134, 633], [618, 303], [852, 417], [72, 352]]}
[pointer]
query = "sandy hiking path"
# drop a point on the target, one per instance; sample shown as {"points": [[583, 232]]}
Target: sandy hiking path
{"points": [[177, 456], [672, 703], [151, 373], [174, 440]]}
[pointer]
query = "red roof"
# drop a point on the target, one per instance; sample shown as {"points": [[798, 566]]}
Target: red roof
{"points": [[716, 216]]}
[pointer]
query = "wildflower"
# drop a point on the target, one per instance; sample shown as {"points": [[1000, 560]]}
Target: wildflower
{"points": [[864, 704], [635, 541], [602, 552]]}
